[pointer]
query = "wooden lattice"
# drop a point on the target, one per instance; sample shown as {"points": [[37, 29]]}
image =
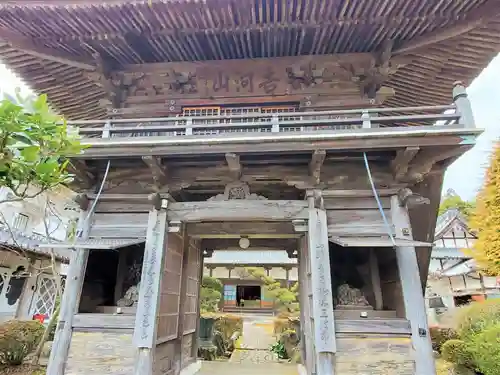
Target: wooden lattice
{"points": [[192, 287], [168, 315]]}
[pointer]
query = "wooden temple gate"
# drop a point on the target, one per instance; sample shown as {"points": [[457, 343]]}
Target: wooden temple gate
{"points": [[331, 118], [165, 326]]}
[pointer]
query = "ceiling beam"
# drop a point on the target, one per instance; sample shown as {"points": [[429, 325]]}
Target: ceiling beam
{"points": [[317, 160], [25, 45], [255, 244], [233, 162], [402, 160], [238, 228], [474, 19]]}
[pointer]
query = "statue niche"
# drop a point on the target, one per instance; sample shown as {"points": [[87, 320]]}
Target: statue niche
{"points": [[349, 282]]}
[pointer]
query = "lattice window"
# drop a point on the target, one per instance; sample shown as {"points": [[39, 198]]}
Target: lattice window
{"points": [[45, 297], [20, 222]]}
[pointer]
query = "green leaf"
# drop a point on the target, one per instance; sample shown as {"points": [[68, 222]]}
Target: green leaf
{"points": [[30, 154]]}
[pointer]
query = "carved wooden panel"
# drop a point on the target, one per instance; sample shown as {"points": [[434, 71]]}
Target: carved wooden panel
{"points": [[168, 314], [192, 287], [110, 225], [247, 78]]}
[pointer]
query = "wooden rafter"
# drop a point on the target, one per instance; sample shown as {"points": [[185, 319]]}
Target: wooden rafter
{"points": [[25, 45], [474, 19], [233, 162]]}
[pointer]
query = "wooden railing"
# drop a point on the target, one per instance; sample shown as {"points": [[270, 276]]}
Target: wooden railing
{"points": [[459, 113]]}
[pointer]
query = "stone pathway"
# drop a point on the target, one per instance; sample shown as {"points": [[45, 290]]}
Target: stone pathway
{"points": [[257, 338], [246, 368]]}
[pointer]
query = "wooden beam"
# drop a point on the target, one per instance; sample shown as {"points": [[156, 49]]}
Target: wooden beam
{"points": [[375, 278], [238, 210], [83, 176], [27, 46], [233, 162], [474, 19], [158, 170], [317, 160], [233, 229], [402, 160], [256, 244], [70, 302], [413, 295]]}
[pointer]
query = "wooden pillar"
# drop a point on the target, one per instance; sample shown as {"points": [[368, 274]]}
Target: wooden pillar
{"points": [[322, 310], [178, 360], [149, 292], [196, 333], [287, 276], [70, 301], [413, 295], [375, 278]]}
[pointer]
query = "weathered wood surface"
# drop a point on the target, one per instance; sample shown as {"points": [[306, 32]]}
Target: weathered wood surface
{"points": [[238, 210], [226, 229], [413, 295], [113, 225], [103, 322], [70, 301], [322, 311], [149, 292], [365, 139], [271, 78], [373, 326]]}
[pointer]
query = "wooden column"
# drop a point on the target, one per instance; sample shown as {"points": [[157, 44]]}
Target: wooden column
{"points": [[70, 301], [413, 295], [305, 296], [375, 278], [196, 334], [149, 292], [178, 360], [322, 310]]}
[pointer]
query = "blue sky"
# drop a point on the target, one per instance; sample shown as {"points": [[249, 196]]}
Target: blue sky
{"points": [[466, 175]]}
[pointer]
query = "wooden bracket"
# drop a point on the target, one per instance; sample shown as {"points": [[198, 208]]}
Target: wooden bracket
{"points": [[83, 201], [409, 199], [299, 225], [317, 160], [402, 160], [174, 226], [158, 170], [233, 162], [157, 201]]}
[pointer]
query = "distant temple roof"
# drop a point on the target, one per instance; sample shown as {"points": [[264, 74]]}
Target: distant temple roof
{"points": [[31, 243], [53, 44], [250, 257]]}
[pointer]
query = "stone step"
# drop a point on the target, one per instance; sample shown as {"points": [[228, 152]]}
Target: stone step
{"points": [[248, 310]]}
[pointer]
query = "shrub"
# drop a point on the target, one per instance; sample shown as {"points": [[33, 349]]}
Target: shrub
{"points": [[282, 324], [456, 351], [18, 339], [485, 350], [228, 324], [440, 335], [474, 318]]}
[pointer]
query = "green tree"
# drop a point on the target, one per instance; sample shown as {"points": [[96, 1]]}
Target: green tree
{"points": [[485, 220], [286, 298], [35, 146], [454, 201], [210, 294]]}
